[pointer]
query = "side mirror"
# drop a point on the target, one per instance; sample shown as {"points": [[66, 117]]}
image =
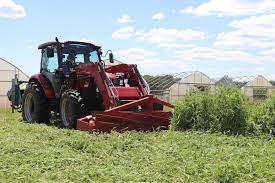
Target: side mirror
{"points": [[111, 57], [50, 52]]}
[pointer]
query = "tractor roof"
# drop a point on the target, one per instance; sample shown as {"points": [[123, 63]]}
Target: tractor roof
{"points": [[53, 43]]}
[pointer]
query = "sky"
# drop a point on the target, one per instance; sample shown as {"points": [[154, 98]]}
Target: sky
{"points": [[228, 37]]}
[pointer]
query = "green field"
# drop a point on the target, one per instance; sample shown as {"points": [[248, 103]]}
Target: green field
{"points": [[41, 153]]}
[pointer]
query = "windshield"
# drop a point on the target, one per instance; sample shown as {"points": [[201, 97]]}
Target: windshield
{"points": [[78, 53]]}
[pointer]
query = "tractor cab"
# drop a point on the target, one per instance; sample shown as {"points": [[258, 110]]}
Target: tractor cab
{"points": [[66, 55], [59, 60]]}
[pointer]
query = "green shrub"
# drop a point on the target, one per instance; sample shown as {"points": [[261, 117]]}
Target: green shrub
{"points": [[193, 112], [221, 110], [262, 116], [230, 110]]}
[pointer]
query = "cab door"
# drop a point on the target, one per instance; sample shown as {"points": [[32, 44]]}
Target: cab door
{"points": [[49, 66]]}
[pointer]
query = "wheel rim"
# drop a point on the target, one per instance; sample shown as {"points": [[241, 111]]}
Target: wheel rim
{"points": [[66, 112], [29, 107]]}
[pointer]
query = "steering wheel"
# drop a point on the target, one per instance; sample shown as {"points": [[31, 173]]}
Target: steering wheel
{"points": [[70, 63], [77, 63]]}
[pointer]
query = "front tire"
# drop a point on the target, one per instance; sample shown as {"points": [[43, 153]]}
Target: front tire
{"points": [[35, 106], [71, 103]]}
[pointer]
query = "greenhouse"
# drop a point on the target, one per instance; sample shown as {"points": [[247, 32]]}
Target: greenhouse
{"points": [[171, 87], [7, 73], [194, 81], [258, 88]]}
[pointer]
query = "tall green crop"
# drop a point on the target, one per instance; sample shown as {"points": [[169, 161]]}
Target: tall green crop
{"points": [[221, 110]]}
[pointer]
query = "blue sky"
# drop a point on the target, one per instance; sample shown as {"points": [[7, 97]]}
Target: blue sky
{"points": [[232, 37]]}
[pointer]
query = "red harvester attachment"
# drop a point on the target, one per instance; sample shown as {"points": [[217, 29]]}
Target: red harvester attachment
{"points": [[119, 120]]}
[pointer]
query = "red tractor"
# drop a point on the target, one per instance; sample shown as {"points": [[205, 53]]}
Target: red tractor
{"points": [[88, 95]]}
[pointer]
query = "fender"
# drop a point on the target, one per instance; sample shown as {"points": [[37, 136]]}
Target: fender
{"points": [[45, 84]]}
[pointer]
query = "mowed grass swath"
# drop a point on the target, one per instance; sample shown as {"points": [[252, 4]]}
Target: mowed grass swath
{"points": [[41, 153]]}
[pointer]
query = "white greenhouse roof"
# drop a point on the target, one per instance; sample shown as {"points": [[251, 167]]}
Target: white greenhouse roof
{"points": [[165, 81], [197, 77], [259, 81], [8, 70]]}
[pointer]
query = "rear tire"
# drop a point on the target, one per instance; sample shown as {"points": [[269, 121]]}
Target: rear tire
{"points": [[35, 106], [71, 104]]}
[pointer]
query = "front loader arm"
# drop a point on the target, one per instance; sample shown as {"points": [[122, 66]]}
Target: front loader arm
{"points": [[102, 81]]}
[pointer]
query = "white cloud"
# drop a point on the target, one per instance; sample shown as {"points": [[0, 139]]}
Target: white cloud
{"points": [[212, 54], [183, 59], [124, 33], [260, 26], [162, 37], [252, 32], [149, 62], [125, 19], [231, 7], [137, 56], [188, 10], [88, 40], [171, 36], [239, 40], [270, 52], [169, 46], [158, 16], [9, 9]]}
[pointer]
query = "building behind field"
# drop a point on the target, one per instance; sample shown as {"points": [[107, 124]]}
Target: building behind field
{"points": [[258, 88], [173, 87], [7, 73], [195, 81]]}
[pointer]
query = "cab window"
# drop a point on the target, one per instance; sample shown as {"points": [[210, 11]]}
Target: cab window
{"points": [[77, 53], [49, 64]]}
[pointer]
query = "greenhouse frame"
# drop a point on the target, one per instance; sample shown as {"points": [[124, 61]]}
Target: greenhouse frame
{"points": [[7, 73]]}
